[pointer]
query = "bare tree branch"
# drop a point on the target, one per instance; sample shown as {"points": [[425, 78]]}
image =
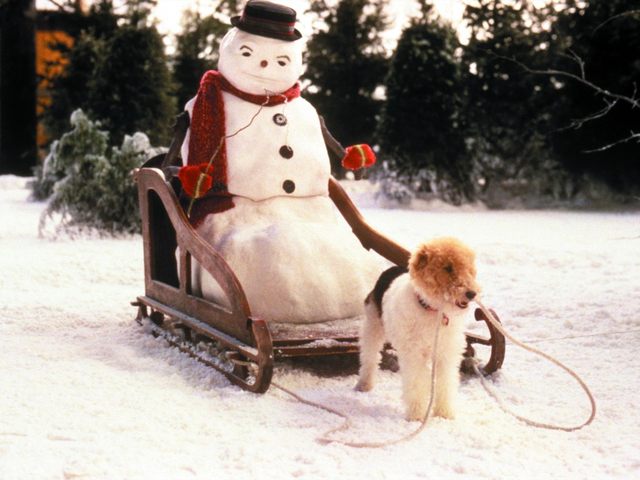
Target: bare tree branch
{"points": [[624, 14], [62, 7], [624, 140], [578, 123], [574, 56], [560, 73], [632, 100]]}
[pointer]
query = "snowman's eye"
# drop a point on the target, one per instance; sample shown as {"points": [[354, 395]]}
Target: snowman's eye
{"points": [[283, 60], [246, 54], [246, 51]]}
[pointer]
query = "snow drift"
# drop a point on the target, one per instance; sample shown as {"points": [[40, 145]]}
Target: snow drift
{"points": [[85, 393]]}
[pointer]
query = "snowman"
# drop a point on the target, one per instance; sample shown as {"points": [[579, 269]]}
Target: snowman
{"points": [[257, 167]]}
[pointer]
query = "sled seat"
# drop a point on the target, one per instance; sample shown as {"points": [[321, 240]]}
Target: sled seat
{"points": [[329, 337]]}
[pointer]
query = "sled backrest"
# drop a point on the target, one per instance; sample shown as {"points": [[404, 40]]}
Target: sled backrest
{"points": [[168, 271]]}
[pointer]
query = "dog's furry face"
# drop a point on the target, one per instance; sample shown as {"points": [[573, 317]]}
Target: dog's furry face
{"points": [[444, 268]]}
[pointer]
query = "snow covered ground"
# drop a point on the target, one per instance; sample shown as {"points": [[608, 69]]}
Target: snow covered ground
{"points": [[85, 393]]}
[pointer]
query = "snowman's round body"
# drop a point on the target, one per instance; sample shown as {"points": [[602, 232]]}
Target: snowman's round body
{"points": [[296, 261]]}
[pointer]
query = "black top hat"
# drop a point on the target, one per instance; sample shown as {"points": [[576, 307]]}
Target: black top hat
{"points": [[268, 20]]}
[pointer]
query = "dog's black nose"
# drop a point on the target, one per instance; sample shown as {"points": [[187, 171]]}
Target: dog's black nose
{"points": [[470, 294]]}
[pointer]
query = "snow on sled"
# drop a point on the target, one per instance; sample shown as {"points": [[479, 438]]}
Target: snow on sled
{"points": [[212, 332]]}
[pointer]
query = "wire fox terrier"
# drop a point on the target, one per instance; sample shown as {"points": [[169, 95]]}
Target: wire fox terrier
{"points": [[403, 309]]}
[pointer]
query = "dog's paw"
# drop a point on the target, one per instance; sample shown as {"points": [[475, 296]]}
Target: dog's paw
{"points": [[365, 385], [414, 417], [445, 411], [415, 412]]}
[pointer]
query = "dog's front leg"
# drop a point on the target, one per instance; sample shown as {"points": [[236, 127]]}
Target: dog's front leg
{"points": [[447, 384], [415, 371]]}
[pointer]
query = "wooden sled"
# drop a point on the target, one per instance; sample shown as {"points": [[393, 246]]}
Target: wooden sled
{"points": [[170, 309]]}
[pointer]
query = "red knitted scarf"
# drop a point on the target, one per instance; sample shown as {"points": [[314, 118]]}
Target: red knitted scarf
{"points": [[208, 131]]}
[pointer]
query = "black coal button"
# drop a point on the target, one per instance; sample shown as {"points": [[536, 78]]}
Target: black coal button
{"points": [[288, 186], [280, 119], [286, 151]]}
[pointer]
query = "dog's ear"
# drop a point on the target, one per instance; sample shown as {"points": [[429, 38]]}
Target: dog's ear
{"points": [[420, 259]]}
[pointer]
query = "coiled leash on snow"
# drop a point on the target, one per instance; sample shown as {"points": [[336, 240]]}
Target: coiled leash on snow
{"points": [[531, 349], [325, 438]]}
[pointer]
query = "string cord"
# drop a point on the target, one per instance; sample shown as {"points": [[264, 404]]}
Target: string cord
{"points": [[533, 423], [268, 94], [326, 437]]}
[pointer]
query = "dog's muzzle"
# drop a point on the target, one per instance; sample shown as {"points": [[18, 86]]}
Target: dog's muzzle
{"points": [[470, 295]]}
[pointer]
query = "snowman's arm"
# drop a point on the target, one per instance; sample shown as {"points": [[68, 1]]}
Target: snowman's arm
{"points": [[180, 144], [330, 141], [335, 146], [188, 108], [171, 160], [370, 238]]}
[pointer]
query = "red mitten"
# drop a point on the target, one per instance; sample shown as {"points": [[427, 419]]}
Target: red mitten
{"points": [[358, 156], [196, 179]]}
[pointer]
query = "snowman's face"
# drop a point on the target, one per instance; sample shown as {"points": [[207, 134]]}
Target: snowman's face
{"points": [[259, 65]]}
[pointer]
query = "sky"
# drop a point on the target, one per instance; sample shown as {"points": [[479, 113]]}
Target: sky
{"points": [[169, 12]]}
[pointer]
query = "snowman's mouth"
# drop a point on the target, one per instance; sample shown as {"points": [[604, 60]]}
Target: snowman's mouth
{"points": [[264, 79]]}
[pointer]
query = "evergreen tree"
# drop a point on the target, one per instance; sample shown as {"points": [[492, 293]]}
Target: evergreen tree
{"points": [[346, 63], [508, 111], [118, 73], [420, 129], [197, 48], [69, 90], [602, 42], [132, 87]]}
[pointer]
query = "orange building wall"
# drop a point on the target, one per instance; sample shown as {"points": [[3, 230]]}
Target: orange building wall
{"points": [[49, 63]]}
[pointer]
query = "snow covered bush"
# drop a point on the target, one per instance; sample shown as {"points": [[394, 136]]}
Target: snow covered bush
{"points": [[393, 184], [91, 186], [404, 185], [84, 141]]}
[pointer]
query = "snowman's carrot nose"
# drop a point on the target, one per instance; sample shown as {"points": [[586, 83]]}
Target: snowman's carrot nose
{"points": [[264, 63]]}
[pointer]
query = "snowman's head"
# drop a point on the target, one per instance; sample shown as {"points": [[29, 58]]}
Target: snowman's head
{"points": [[259, 65]]}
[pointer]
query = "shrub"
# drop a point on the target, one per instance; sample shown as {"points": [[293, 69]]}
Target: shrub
{"points": [[91, 186]]}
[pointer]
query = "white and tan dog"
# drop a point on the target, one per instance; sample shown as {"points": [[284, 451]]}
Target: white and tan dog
{"points": [[403, 309]]}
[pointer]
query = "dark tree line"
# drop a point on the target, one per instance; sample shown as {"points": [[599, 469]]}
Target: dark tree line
{"points": [[448, 119], [537, 101], [117, 73]]}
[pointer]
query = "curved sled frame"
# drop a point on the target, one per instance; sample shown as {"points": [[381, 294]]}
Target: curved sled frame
{"points": [[168, 293], [169, 303]]}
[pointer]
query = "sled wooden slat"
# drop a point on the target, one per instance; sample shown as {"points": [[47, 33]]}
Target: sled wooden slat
{"points": [[201, 327], [340, 348], [368, 236], [162, 216]]}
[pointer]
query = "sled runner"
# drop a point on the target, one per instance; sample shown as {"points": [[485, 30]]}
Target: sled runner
{"points": [[204, 329]]}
